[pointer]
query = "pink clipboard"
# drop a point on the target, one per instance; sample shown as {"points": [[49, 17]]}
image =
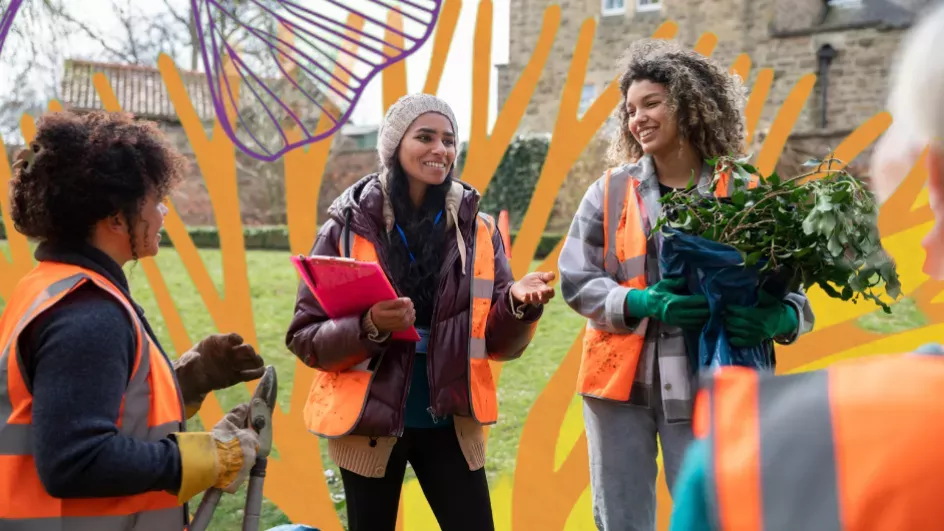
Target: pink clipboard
{"points": [[345, 287]]}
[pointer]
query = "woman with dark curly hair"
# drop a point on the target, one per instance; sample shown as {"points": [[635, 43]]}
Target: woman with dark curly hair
{"points": [[382, 401], [679, 109], [92, 411]]}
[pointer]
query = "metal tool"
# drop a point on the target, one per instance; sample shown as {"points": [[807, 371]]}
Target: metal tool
{"points": [[260, 419]]}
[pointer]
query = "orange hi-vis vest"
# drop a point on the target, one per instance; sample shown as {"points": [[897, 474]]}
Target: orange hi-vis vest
{"points": [[337, 399], [151, 410], [609, 360], [853, 447]]}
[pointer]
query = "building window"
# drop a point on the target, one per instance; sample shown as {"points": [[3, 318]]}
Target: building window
{"points": [[648, 5], [587, 96], [613, 7]]}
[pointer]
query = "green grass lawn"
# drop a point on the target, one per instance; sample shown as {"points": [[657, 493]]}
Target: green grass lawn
{"points": [[273, 283]]}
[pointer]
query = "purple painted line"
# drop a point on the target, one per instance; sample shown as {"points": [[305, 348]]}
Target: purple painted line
{"points": [[262, 153], [326, 56], [265, 87], [405, 14], [384, 25], [8, 15], [351, 28], [221, 109], [319, 65], [300, 89], [319, 50], [329, 30], [289, 45]]}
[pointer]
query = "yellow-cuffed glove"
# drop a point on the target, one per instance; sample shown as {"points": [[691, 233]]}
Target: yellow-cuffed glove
{"points": [[219, 458]]}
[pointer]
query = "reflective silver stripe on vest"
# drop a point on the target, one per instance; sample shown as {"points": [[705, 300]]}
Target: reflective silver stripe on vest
{"points": [[162, 520], [798, 460], [615, 196], [134, 418], [482, 288], [17, 439], [797, 455]]}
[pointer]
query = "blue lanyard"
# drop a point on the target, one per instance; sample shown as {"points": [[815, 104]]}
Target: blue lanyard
{"points": [[403, 236]]}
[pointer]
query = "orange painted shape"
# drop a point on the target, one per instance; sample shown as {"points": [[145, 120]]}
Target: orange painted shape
{"points": [[888, 456], [393, 81], [442, 41], [736, 432], [706, 44]]}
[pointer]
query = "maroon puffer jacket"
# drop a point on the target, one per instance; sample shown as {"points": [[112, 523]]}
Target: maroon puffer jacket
{"points": [[338, 344]]}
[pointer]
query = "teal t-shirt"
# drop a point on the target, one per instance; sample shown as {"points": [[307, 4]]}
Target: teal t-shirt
{"points": [[417, 413]]}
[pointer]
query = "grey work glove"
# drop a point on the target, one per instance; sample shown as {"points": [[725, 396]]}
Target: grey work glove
{"points": [[217, 362]]}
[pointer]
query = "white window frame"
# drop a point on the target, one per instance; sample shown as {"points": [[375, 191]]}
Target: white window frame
{"points": [[609, 12], [648, 6]]}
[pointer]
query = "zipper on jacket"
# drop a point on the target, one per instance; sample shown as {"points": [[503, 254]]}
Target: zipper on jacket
{"points": [[450, 260], [406, 393]]}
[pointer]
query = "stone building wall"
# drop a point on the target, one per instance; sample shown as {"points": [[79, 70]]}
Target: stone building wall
{"points": [[783, 35]]}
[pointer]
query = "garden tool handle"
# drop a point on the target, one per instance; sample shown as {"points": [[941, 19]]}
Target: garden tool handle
{"points": [[254, 495], [201, 519]]}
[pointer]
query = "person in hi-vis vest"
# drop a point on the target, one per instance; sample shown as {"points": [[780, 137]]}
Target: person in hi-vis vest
{"points": [[383, 402], [854, 446], [92, 411], [679, 109]]}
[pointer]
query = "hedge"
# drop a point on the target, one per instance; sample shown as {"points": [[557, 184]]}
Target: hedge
{"points": [[275, 238]]}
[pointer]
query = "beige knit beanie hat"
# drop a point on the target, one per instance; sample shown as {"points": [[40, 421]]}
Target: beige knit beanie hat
{"points": [[398, 119]]}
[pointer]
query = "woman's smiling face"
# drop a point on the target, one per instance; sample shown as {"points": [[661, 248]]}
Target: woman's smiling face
{"points": [[428, 149]]}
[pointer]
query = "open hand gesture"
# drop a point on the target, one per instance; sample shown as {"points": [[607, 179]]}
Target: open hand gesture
{"points": [[533, 288]]}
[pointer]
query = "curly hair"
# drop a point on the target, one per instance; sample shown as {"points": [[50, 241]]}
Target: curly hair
{"points": [[417, 280], [81, 169], [706, 100]]}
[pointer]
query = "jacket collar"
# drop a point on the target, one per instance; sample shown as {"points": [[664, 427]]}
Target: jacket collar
{"points": [[366, 208]]}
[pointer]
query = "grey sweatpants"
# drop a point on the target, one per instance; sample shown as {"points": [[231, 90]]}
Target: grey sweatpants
{"points": [[623, 469]]}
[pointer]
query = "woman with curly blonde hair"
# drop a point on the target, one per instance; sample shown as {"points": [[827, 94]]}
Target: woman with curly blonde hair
{"points": [[679, 109]]}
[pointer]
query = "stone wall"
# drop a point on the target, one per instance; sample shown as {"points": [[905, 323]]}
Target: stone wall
{"points": [[261, 185], [784, 35]]}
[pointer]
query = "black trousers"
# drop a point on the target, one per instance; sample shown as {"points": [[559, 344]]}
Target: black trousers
{"points": [[458, 496]]}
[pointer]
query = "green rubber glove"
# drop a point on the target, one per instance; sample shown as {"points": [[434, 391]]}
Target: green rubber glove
{"points": [[662, 302], [748, 326]]}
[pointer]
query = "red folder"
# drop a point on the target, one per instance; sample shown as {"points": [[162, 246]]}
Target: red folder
{"points": [[345, 287]]}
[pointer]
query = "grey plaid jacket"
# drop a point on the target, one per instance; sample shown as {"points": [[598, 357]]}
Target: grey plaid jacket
{"points": [[589, 285]]}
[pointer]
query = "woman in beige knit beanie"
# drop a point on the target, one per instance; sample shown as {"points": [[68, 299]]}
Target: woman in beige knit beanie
{"points": [[382, 398]]}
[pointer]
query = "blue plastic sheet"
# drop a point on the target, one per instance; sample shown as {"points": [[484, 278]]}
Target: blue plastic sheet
{"points": [[715, 270]]}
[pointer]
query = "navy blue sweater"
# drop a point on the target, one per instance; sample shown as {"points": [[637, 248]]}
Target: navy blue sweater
{"points": [[78, 357]]}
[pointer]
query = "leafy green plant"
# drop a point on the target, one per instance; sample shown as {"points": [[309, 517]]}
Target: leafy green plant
{"points": [[800, 231]]}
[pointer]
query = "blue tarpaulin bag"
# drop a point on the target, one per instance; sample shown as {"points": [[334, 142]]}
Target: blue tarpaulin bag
{"points": [[717, 271]]}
